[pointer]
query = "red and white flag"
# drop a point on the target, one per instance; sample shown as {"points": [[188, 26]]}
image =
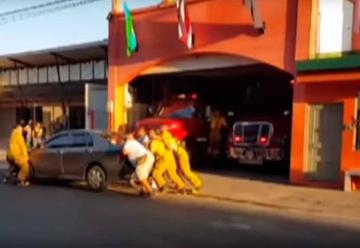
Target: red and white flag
{"points": [[186, 34], [252, 5]]}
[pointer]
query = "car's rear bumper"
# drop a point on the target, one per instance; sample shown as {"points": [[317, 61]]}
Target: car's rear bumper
{"points": [[255, 155]]}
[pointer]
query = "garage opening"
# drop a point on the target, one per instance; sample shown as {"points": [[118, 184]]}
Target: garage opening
{"points": [[253, 97]]}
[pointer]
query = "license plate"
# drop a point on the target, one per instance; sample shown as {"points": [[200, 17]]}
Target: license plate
{"points": [[201, 139]]}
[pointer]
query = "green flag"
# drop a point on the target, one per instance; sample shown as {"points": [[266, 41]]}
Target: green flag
{"points": [[132, 44]]}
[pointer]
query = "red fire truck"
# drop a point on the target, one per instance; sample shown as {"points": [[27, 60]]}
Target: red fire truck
{"points": [[260, 140], [184, 117]]}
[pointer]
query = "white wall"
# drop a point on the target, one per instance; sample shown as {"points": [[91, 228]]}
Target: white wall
{"points": [[334, 19], [95, 106]]}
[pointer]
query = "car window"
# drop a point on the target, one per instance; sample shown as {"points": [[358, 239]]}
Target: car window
{"points": [[62, 140], [82, 140], [186, 113], [251, 132], [265, 130]]}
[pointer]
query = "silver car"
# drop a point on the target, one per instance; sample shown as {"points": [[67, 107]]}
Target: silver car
{"points": [[78, 155]]}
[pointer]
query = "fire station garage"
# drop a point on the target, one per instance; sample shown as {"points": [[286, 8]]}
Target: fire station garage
{"points": [[255, 99], [236, 66]]}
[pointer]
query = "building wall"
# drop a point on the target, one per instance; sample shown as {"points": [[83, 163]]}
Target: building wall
{"points": [[309, 24], [324, 88], [324, 19], [219, 27], [8, 120]]}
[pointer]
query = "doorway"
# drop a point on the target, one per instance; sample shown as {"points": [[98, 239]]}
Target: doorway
{"points": [[325, 142]]}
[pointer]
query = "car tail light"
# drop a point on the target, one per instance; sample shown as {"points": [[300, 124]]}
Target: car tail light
{"points": [[263, 140], [238, 139]]}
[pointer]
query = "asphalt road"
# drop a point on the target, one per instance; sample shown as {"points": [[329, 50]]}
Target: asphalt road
{"points": [[48, 215]]}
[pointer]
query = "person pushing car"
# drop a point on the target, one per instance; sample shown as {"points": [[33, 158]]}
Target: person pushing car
{"points": [[164, 163], [142, 159], [18, 155], [182, 157]]}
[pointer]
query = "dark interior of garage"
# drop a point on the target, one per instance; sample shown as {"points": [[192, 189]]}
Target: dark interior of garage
{"points": [[242, 91], [251, 92]]}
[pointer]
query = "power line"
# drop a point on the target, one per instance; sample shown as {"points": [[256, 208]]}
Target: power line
{"points": [[34, 7], [41, 9]]}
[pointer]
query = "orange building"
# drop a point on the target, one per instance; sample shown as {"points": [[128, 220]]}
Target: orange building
{"points": [[296, 44], [325, 138]]}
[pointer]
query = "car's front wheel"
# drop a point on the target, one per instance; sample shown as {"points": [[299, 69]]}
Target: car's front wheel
{"points": [[96, 178]]}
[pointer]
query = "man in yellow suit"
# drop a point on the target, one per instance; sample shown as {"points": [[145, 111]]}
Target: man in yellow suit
{"points": [[164, 162], [18, 153], [182, 158]]}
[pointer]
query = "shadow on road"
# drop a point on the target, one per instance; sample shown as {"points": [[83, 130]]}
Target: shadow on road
{"points": [[274, 173]]}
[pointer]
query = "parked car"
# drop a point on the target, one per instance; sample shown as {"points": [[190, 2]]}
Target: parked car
{"points": [[258, 142], [78, 155]]}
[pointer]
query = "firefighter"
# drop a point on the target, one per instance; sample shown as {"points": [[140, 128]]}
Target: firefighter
{"points": [[164, 162], [182, 157], [18, 153], [29, 133], [38, 134], [217, 125]]}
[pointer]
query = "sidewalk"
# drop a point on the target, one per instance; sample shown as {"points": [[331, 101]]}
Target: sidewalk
{"points": [[332, 203]]}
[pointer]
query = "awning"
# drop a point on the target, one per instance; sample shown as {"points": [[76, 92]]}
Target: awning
{"points": [[64, 55]]}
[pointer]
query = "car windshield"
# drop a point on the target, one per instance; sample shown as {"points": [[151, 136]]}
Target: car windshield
{"points": [[185, 113]]}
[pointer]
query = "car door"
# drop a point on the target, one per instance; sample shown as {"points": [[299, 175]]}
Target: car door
{"points": [[75, 158], [48, 161]]}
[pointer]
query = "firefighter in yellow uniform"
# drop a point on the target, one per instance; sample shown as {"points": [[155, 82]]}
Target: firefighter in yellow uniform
{"points": [[182, 158], [164, 162], [18, 153]]}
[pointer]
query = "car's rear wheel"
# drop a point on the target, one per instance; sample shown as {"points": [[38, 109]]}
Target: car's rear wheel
{"points": [[96, 178]]}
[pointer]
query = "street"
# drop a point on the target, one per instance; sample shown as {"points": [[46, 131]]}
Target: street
{"points": [[57, 215]]}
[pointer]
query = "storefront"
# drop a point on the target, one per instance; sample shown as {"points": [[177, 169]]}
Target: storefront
{"points": [[325, 132], [326, 121]]}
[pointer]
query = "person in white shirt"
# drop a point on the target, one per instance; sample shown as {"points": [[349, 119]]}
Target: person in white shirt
{"points": [[142, 137], [142, 159]]}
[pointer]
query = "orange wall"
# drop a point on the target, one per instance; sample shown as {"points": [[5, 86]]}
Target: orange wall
{"points": [[303, 33], [220, 26], [319, 88]]}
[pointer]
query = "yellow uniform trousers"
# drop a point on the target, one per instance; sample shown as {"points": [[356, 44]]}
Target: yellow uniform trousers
{"points": [[165, 163], [18, 152], [162, 167], [185, 168]]}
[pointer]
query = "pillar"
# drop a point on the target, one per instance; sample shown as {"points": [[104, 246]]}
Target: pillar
{"points": [[116, 89]]}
